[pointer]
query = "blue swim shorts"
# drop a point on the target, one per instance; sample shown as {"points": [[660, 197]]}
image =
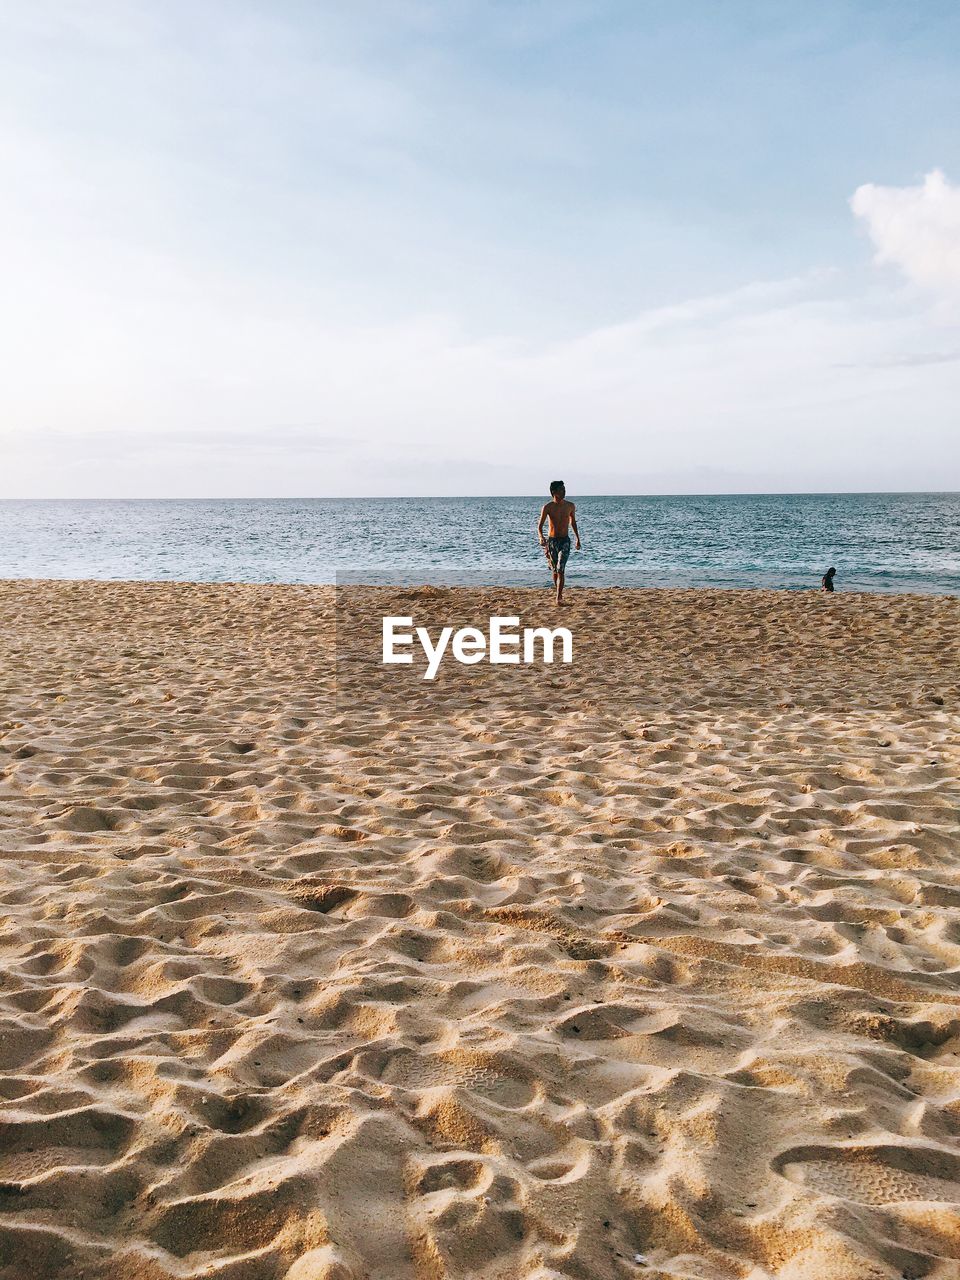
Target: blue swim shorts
{"points": [[557, 552]]}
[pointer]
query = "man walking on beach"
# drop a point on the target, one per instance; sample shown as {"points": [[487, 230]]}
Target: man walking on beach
{"points": [[562, 517]]}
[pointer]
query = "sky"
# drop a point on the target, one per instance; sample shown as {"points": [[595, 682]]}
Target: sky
{"points": [[305, 248]]}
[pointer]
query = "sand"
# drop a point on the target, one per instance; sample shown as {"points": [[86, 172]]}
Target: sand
{"points": [[648, 966]]}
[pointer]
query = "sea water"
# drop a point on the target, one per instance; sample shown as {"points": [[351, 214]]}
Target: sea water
{"points": [[877, 542]]}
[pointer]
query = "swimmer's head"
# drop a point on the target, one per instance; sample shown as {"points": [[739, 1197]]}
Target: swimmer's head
{"points": [[557, 488]]}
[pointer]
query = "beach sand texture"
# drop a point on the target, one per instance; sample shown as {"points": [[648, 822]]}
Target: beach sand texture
{"points": [[645, 967]]}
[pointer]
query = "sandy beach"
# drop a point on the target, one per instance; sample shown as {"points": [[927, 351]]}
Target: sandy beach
{"points": [[648, 966]]}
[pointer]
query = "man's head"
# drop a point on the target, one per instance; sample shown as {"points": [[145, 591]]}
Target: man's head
{"points": [[557, 489]]}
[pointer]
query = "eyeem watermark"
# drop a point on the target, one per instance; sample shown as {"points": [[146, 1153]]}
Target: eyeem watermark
{"points": [[502, 644]]}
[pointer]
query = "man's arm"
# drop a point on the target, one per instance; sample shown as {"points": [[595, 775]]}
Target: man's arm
{"points": [[573, 524], [543, 516]]}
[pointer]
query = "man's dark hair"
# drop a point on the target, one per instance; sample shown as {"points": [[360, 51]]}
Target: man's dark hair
{"points": [[556, 486]]}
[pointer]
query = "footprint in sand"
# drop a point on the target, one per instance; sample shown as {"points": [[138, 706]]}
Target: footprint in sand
{"points": [[874, 1175]]}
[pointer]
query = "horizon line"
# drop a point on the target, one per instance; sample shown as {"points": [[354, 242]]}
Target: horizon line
{"points": [[481, 497]]}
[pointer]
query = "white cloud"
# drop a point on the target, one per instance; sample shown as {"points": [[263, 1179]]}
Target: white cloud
{"points": [[261, 255], [174, 385], [915, 228]]}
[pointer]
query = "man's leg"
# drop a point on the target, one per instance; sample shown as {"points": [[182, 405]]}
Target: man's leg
{"points": [[550, 551], [562, 552]]}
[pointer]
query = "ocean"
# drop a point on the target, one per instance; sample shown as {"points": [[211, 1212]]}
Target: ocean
{"points": [[907, 542]]}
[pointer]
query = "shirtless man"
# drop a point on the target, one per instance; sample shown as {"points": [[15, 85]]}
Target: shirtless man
{"points": [[562, 517]]}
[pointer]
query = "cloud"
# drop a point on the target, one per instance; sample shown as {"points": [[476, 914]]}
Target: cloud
{"points": [[789, 384], [261, 255], [916, 229], [118, 444], [915, 360]]}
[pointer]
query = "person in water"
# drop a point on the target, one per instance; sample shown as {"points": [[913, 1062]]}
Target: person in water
{"points": [[826, 582], [562, 517]]}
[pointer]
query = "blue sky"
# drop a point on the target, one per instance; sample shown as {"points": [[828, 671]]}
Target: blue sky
{"points": [[309, 248]]}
